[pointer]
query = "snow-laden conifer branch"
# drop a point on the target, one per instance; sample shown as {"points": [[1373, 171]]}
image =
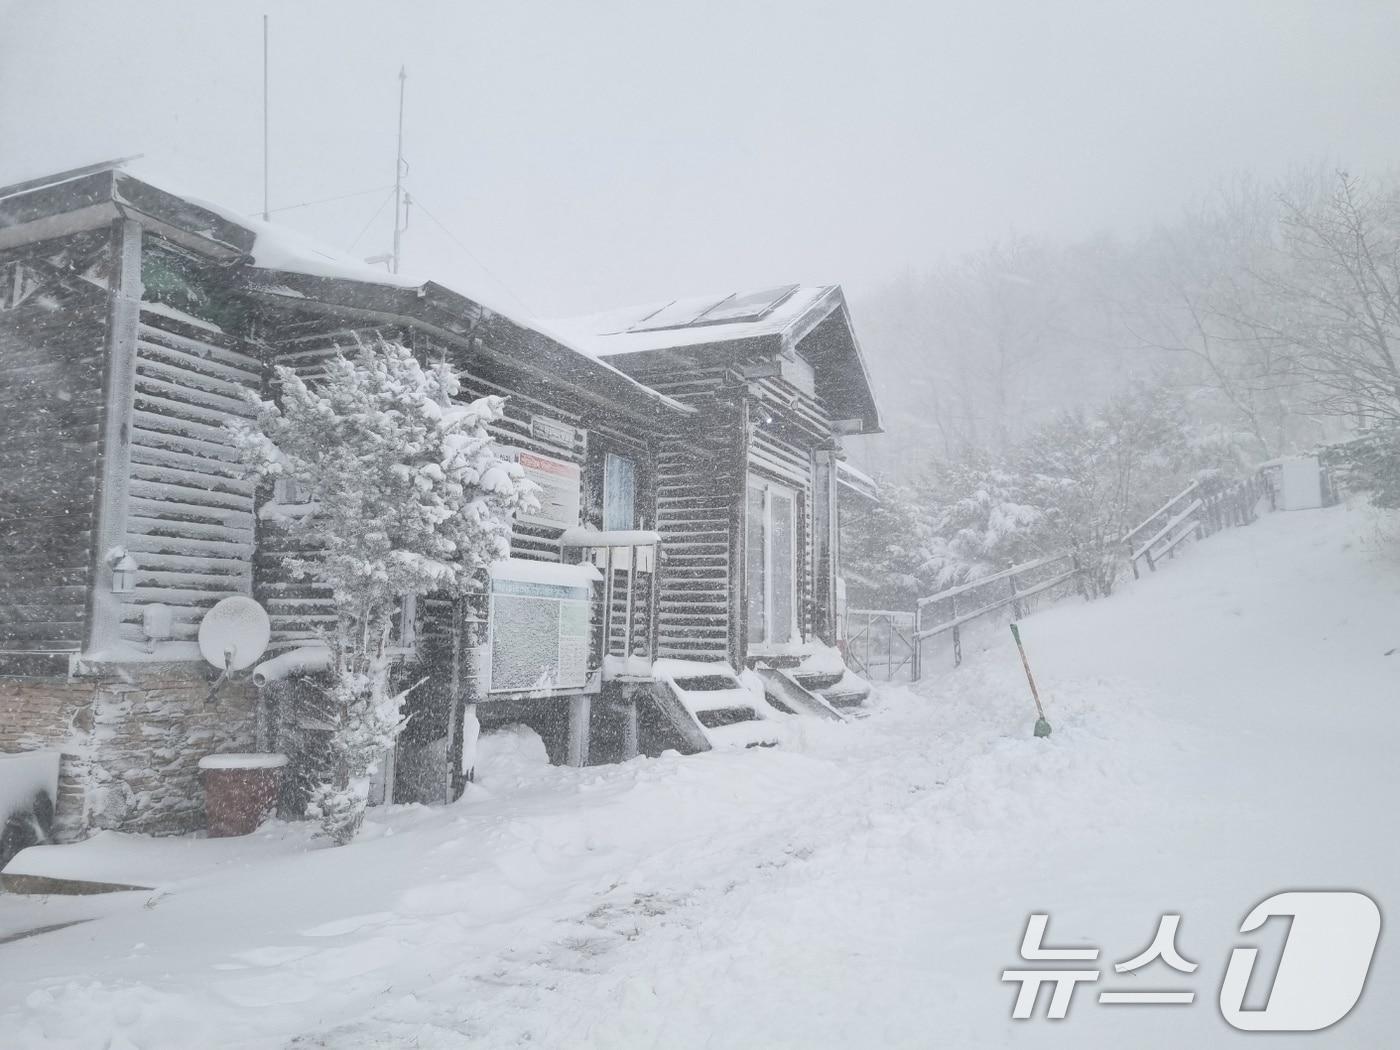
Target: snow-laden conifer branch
{"points": [[406, 496]]}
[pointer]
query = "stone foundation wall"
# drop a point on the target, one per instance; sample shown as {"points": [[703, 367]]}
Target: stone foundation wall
{"points": [[131, 737]]}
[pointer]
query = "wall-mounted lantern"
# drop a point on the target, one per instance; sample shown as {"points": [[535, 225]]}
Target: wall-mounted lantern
{"points": [[123, 573]]}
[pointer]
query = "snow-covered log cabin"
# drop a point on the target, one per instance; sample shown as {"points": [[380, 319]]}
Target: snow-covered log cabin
{"points": [[678, 586]]}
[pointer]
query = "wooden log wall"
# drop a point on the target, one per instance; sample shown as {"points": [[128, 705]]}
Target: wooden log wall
{"points": [[53, 330], [190, 524], [697, 482]]}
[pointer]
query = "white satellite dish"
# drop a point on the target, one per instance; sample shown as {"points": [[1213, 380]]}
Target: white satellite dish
{"points": [[235, 633]]}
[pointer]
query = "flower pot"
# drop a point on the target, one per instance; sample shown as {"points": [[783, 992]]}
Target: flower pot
{"points": [[240, 791]]}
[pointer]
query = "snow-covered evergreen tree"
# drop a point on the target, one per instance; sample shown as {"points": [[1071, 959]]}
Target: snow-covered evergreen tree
{"points": [[982, 521], [884, 549], [961, 521], [1074, 485], [1092, 478], [406, 496]]}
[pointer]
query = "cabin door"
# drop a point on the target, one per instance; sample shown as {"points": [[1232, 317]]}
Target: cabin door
{"points": [[771, 563]]}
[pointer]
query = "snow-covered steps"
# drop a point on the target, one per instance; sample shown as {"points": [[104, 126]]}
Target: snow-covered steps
{"points": [[745, 734], [787, 693], [821, 669], [850, 690], [708, 706]]}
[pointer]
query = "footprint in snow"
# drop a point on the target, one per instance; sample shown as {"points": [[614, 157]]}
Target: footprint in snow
{"points": [[337, 927]]}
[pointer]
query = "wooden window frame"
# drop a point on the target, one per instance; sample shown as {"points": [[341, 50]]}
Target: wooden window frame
{"points": [[768, 488], [608, 457]]}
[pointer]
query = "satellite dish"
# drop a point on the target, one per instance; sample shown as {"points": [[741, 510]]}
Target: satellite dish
{"points": [[234, 634]]}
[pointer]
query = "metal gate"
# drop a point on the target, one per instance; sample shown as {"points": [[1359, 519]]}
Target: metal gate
{"points": [[880, 644]]}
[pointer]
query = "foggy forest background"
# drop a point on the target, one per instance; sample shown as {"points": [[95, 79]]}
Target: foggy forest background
{"points": [[1041, 396]]}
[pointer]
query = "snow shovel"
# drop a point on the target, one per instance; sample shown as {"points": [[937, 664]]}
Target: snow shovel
{"points": [[1042, 727]]}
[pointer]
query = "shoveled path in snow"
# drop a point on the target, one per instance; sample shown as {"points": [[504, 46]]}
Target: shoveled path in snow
{"points": [[1223, 730]]}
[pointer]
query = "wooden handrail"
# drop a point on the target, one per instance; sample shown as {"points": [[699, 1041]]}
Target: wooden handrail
{"points": [[1000, 603], [1128, 538], [1015, 570], [1166, 529]]}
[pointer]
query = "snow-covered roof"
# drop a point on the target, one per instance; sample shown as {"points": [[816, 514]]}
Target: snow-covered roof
{"points": [[289, 265], [282, 248], [277, 249], [851, 477], [554, 574], [692, 321], [772, 321]]}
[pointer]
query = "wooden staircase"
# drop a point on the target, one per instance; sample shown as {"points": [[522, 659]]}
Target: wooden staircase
{"points": [[708, 711]]}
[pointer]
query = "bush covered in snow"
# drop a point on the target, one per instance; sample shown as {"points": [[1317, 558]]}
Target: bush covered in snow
{"points": [[406, 497], [1093, 478], [1075, 484], [1369, 464]]}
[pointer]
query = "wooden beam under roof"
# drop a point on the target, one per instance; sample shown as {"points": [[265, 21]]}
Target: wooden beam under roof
{"points": [[439, 312]]}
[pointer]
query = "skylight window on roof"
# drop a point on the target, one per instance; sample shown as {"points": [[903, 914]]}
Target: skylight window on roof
{"points": [[678, 314], [748, 307]]}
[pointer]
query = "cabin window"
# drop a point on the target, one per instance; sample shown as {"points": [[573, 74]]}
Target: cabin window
{"points": [[619, 493], [289, 492], [174, 280], [771, 563]]}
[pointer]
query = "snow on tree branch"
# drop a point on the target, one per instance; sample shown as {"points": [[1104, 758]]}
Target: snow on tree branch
{"points": [[407, 496]]}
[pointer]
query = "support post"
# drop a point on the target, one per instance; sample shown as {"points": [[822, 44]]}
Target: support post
{"points": [[580, 707], [631, 600], [653, 596], [738, 539], [630, 737], [123, 317], [607, 601], [957, 647], [916, 662]]}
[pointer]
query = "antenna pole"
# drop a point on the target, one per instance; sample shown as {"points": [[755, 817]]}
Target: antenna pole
{"points": [[398, 176], [267, 214]]}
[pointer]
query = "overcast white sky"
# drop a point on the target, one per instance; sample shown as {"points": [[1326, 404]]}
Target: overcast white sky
{"points": [[597, 153]]}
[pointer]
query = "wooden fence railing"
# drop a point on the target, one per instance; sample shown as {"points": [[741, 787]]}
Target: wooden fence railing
{"points": [[1197, 510], [883, 644], [949, 611]]}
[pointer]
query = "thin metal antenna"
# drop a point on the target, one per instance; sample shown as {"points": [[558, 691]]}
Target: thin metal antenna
{"points": [[267, 213], [398, 176]]}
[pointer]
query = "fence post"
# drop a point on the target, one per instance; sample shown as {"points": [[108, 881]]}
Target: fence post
{"points": [[1079, 584], [957, 647], [916, 668], [1015, 599]]}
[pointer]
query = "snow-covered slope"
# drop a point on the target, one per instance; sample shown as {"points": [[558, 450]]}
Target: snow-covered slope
{"points": [[1223, 730]]}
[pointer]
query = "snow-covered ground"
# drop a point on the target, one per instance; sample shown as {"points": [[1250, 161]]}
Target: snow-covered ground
{"points": [[1223, 730]]}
